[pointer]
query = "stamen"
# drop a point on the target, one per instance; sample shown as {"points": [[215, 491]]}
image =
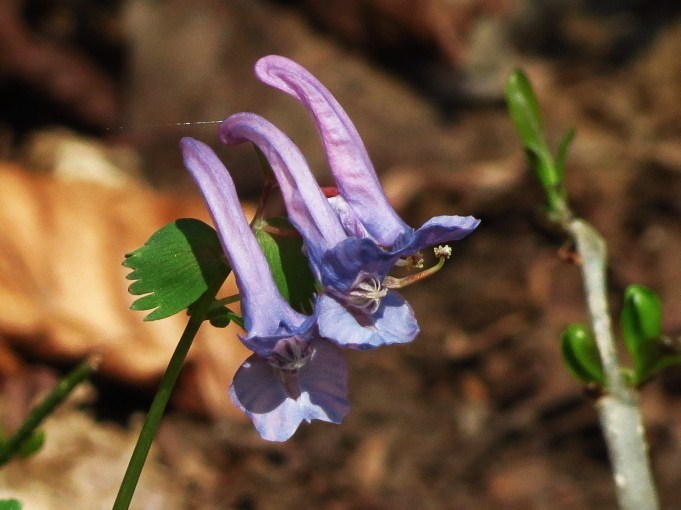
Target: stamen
{"points": [[441, 252], [411, 262], [366, 293]]}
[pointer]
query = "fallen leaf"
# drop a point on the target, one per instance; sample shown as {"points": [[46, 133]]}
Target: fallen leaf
{"points": [[64, 293]]}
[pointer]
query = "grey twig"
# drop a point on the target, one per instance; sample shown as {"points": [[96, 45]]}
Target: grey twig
{"points": [[618, 409]]}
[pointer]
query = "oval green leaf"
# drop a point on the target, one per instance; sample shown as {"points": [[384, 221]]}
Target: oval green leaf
{"points": [[580, 354]]}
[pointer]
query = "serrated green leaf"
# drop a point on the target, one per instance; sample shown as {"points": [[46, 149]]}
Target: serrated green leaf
{"points": [[10, 504], [289, 266], [580, 354], [174, 267], [33, 444]]}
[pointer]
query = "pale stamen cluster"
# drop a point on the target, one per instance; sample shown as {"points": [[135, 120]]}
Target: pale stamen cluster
{"points": [[367, 293]]}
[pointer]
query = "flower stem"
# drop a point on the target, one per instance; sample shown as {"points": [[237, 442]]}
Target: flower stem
{"points": [[10, 447], [158, 406], [618, 408]]}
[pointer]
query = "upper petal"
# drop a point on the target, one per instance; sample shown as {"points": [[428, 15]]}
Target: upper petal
{"points": [[348, 159], [392, 323], [340, 266], [307, 207], [437, 230], [265, 310], [351, 222]]}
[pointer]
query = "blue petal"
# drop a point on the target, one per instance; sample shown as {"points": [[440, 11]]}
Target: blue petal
{"points": [[257, 391], [437, 230], [308, 208], [263, 345], [351, 222], [340, 266], [325, 379], [392, 323], [265, 310]]}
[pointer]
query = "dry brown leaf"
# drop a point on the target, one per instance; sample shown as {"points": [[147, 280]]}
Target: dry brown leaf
{"points": [[63, 289]]}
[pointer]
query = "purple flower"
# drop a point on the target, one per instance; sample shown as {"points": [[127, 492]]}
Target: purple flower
{"points": [[356, 309], [362, 204], [294, 374], [354, 239]]}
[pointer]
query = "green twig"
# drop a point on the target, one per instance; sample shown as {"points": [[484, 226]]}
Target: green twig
{"points": [[10, 447], [158, 406]]}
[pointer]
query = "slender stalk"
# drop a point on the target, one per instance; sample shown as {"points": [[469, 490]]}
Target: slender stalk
{"points": [[618, 408], [10, 447], [158, 406]]}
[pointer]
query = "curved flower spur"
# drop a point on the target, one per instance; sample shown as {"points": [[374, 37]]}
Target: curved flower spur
{"points": [[362, 203], [353, 239], [294, 373]]}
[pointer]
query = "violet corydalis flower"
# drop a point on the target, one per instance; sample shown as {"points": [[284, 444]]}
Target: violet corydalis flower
{"points": [[294, 375], [354, 239]]}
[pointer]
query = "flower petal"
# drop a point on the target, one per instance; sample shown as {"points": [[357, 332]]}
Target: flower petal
{"points": [[437, 230], [265, 311], [325, 379], [257, 391], [351, 223], [348, 159], [340, 266], [392, 323], [263, 345], [308, 208]]}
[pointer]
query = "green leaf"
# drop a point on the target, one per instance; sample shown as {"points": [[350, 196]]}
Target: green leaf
{"points": [[10, 504], [524, 111], [289, 266], [561, 156], [33, 444], [641, 315], [581, 354], [174, 267], [641, 322]]}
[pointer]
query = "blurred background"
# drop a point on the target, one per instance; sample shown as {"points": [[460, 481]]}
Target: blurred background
{"points": [[478, 412]]}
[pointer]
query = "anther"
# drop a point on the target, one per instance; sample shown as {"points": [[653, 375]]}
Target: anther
{"points": [[441, 252]]}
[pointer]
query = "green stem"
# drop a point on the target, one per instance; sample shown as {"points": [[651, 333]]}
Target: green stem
{"points": [[10, 447], [158, 406]]}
